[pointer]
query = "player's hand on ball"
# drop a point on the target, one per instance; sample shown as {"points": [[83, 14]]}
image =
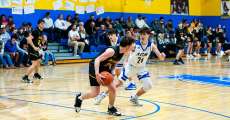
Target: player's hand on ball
{"points": [[100, 78]]}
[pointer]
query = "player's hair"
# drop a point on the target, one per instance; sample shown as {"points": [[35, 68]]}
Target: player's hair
{"points": [[126, 41], [145, 30], [40, 21]]}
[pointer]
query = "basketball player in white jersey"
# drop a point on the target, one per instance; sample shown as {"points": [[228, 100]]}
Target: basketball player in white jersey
{"points": [[136, 66]]}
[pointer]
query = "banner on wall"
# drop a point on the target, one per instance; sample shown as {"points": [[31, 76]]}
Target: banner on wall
{"points": [[80, 10], [100, 10], [225, 8], [17, 10], [18, 2], [90, 8], [30, 1], [180, 7], [69, 5], [29, 9], [5, 3], [57, 5]]}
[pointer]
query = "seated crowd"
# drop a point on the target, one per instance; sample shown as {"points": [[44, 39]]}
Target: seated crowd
{"points": [[94, 35]]}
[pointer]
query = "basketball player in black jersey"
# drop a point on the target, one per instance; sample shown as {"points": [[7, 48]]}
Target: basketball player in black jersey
{"points": [[34, 44], [106, 61]]}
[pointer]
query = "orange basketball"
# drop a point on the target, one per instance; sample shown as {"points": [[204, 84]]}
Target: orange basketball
{"points": [[108, 78]]}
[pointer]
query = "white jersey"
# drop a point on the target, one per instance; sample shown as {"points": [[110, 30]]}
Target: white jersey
{"points": [[140, 55]]}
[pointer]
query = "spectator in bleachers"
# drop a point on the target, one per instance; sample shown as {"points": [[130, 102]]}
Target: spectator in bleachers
{"points": [[197, 46], [92, 34], [83, 36], [76, 20], [5, 57], [110, 27], [1, 52], [3, 20], [49, 26], [12, 30], [101, 36], [107, 21], [61, 27], [220, 40], [136, 33], [190, 46], [20, 33], [98, 23], [29, 27], [140, 23], [68, 22], [145, 19], [130, 23], [47, 54], [130, 33], [88, 25], [23, 45], [155, 25], [210, 36], [10, 22], [73, 41], [5, 36], [12, 49], [162, 28], [170, 30], [122, 22], [118, 27], [24, 27], [180, 43]]}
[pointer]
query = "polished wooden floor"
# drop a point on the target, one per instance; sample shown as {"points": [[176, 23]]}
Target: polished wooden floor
{"points": [[172, 98]]}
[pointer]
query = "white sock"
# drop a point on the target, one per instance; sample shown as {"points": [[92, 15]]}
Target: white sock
{"points": [[135, 96], [80, 98], [110, 106]]}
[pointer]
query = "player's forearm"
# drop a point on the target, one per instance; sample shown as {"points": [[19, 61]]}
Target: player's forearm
{"points": [[96, 66], [159, 55]]}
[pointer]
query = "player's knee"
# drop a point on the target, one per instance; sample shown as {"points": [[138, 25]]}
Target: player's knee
{"points": [[147, 85]]}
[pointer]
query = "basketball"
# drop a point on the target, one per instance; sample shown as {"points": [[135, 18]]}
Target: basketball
{"points": [[108, 78]]}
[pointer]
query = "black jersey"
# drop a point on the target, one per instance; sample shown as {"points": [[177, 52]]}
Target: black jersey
{"points": [[37, 34], [106, 65], [110, 62]]}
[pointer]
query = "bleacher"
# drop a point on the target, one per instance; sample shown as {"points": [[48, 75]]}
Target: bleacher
{"points": [[64, 54]]}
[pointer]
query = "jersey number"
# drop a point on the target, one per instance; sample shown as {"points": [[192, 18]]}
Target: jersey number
{"points": [[140, 60]]}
